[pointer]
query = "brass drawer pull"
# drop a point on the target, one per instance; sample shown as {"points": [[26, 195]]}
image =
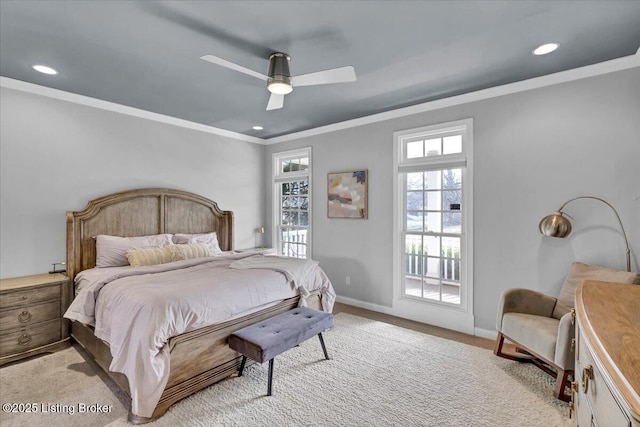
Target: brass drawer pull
{"points": [[24, 317], [587, 374], [572, 404], [24, 339]]}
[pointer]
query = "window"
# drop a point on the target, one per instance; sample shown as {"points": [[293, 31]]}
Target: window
{"points": [[292, 202], [433, 208]]}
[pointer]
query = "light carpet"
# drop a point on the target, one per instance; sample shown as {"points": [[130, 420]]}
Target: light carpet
{"points": [[378, 375]]}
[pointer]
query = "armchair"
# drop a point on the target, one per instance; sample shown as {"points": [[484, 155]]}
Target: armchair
{"points": [[541, 326]]}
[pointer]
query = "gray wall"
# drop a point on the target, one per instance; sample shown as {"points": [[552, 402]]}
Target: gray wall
{"points": [[532, 151], [56, 155]]}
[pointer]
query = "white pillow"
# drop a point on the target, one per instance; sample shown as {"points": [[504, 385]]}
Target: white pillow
{"points": [[111, 251], [210, 239]]}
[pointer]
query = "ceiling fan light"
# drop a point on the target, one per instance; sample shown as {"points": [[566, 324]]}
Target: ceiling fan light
{"points": [[279, 81], [279, 87]]}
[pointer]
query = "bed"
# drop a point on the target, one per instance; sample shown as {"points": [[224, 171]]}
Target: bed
{"points": [[197, 358]]}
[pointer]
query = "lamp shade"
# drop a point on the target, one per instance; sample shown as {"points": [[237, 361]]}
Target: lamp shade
{"points": [[555, 225]]}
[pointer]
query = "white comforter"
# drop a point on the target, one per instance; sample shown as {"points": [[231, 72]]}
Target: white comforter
{"points": [[137, 309]]}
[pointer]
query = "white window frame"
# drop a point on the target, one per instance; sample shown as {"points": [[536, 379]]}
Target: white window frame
{"points": [[451, 316], [278, 177]]}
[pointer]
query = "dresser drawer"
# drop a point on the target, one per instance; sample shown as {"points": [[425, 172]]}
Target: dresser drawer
{"points": [[30, 337], [30, 296], [606, 411], [29, 315]]}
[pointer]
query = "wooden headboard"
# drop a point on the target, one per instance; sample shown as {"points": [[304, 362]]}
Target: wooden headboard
{"points": [[140, 213]]}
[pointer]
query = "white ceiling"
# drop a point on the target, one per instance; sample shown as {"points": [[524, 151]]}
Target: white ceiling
{"points": [[145, 54]]}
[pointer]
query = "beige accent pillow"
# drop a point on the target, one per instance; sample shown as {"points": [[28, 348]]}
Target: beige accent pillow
{"points": [[580, 272], [153, 256], [169, 253], [194, 250]]}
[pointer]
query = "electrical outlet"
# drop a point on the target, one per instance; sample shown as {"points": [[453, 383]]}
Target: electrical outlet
{"points": [[347, 280]]}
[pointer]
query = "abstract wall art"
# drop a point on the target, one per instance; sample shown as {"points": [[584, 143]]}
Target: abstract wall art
{"points": [[347, 194]]}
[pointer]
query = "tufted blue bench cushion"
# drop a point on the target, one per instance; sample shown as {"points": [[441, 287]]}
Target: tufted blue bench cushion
{"points": [[265, 340]]}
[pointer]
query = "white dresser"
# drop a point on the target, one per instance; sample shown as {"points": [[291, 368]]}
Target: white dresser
{"points": [[606, 391]]}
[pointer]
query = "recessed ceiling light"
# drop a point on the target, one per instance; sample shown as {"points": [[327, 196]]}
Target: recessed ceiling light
{"points": [[44, 69], [258, 128], [545, 48]]}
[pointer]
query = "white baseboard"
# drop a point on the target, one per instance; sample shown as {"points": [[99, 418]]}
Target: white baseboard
{"points": [[485, 333], [480, 332], [363, 304]]}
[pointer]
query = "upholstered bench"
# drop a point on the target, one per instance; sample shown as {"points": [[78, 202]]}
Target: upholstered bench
{"points": [[263, 341]]}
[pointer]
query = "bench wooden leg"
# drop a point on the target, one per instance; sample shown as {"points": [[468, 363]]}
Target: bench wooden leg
{"points": [[326, 355], [244, 360], [270, 381]]}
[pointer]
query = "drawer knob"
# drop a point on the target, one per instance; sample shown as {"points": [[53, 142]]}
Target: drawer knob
{"points": [[587, 374], [24, 297], [24, 317], [24, 339]]}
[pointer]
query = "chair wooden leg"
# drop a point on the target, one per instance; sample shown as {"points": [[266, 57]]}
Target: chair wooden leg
{"points": [[497, 350], [523, 355], [562, 381]]}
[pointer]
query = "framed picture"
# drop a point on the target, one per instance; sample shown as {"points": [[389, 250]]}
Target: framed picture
{"points": [[347, 194]]}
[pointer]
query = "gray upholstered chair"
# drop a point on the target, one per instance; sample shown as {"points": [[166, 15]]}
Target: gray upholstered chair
{"points": [[541, 326]]}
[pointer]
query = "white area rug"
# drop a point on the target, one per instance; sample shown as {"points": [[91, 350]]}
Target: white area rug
{"points": [[379, 375]]}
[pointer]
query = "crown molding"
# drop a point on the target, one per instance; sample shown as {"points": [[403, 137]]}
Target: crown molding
{"points": [[593, 70], [122, 109]]}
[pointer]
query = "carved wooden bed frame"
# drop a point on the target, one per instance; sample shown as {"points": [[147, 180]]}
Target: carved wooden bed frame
{"points": [[198, 358]]}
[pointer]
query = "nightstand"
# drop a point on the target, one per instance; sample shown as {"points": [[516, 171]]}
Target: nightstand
{"points": [[31, 309], [263, 251]]}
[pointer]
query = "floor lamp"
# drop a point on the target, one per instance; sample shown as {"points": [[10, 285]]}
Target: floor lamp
{"points": [[556, 225]]}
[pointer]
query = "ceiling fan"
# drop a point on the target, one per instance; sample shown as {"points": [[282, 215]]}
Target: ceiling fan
{"points": [[280, 81]]}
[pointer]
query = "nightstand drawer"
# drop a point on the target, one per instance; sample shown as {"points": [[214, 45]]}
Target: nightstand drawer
{"points": [[31, 337], [30, 296], [26, 316]]}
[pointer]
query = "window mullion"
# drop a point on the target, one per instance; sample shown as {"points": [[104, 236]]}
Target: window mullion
{"points": [[442, 163]]}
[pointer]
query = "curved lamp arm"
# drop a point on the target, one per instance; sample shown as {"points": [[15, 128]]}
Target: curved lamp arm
{"points": [[556, 225]]}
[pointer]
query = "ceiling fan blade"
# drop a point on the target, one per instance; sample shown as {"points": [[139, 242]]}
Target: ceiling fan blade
{"points": [[276, 101], [233, 66], [335, 75]]}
